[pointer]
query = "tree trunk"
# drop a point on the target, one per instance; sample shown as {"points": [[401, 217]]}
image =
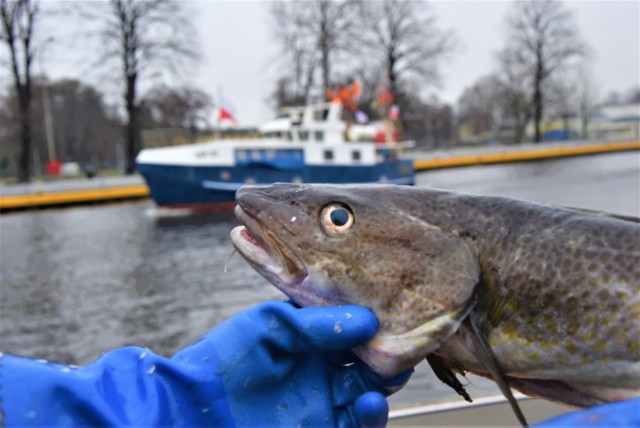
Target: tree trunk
{"points": [[397, 96], [14, 34], [132, 135], [537, 105], [24, 168], [325, 72], [324, 47]]}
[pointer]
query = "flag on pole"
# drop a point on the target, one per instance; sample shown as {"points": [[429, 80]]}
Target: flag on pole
{"points": [[226, 110], [394, 112]]}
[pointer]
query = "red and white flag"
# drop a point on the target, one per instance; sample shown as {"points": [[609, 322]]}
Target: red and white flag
{"points": [[226, 110], [394, 112]]}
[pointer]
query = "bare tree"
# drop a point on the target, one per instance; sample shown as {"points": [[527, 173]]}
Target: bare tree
{"points": [[542, 39], [479, 109], [148, 38], [514, 97], [574, 95], [312, 34], [404, 36], [632, 95], [184, 108], [495, 107], [19, 18], [430, 123], [84, 128]]}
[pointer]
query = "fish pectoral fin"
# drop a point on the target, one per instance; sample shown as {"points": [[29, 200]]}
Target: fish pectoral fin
{"points": [[444, 370], [388, 355], [490, 361]]}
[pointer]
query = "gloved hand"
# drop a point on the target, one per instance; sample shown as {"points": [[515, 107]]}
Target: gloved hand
{"points": [[285, 366], [619, 414], [273, 364]]}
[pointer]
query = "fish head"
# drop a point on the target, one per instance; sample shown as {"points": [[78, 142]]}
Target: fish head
{"points": [[328, 245]]}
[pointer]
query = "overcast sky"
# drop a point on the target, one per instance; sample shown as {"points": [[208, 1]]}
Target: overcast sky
{"points": [[239, 52]]}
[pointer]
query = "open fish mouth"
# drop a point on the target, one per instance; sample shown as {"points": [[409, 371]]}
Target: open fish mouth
{"points": [[270, 257]]}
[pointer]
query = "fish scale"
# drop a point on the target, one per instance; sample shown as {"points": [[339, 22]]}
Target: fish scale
{"points": [[555, 291]]}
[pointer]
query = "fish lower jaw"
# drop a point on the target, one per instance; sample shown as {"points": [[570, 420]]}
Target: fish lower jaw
{"points": [[273, 268], [388, 355], [248, 248]]}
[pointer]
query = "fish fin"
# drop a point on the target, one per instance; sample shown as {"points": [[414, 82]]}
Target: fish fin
{"points": [[445, 372], [489, 360]]}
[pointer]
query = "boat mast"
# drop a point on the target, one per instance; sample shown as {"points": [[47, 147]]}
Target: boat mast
{"points": [[218, 135]]}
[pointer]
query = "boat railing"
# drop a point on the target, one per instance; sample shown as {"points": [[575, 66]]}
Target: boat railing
{"points": [[485, 410]]}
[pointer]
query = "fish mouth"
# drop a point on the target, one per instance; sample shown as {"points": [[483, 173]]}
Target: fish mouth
{"points": [[270, 257]]}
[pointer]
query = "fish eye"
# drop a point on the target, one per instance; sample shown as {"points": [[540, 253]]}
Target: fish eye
{"points": [[336, 218]]}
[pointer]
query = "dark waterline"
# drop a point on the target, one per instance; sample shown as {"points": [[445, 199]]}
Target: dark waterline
{"points": [[78, 282]]}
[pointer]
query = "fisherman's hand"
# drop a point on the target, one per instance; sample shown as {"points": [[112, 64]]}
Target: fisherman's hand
{"points": [[271, 365], [285, 366]]}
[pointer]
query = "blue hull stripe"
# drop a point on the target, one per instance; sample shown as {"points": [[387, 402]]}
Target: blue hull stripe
{"points": [[179, 185], [224, 186], [221, 185]]}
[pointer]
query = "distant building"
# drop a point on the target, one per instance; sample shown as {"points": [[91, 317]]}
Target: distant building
{"points": [[609, 123], [616, 122]]}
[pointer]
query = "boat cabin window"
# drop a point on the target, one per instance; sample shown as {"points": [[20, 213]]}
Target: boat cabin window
{"points": [[318, 136], [278, 134], [328, 155], [270, 156], [355, 155], [304, 135], [321, 115]]}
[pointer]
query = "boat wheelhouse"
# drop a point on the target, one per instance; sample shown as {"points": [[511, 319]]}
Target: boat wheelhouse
{"points": [[309, 145]]}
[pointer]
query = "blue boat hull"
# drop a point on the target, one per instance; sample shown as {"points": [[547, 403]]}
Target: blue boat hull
{"points": [[214, 187]]}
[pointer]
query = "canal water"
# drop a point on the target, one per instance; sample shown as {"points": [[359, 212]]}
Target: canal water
{"points": [[80, 281]]}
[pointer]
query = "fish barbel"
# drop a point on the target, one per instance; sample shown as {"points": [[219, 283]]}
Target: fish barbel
{"points": [[555, 291]]}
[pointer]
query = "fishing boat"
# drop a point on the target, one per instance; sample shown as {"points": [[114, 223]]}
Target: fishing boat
{"points": [[308, 144]]}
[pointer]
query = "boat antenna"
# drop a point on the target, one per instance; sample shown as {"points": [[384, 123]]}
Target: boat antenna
{"points": [[218, 135]]}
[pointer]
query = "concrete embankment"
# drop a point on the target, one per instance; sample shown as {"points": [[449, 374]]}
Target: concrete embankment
{"points": [[107, 189], [70, 192], [520, 153]]}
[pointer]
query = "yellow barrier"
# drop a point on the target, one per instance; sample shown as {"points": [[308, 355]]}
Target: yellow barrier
{"points": [[72, 197], [533, 154]]}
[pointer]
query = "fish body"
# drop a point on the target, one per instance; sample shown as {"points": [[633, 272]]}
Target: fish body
{"points": [[555, 291]]}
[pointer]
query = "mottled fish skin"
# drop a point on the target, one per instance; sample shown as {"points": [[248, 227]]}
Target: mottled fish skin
{"points": [[556, 291]]}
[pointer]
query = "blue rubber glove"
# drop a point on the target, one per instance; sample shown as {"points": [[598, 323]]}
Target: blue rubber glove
{"points": [[273, 364], [619, 414]]}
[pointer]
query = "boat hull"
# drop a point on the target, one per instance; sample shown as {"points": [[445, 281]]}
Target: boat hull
{"points": [[214, 187]]}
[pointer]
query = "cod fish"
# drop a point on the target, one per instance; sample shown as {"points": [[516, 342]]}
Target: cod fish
{"points": [[554, 291]]}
